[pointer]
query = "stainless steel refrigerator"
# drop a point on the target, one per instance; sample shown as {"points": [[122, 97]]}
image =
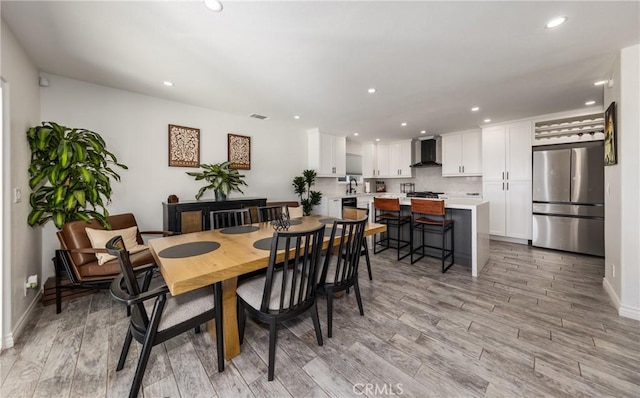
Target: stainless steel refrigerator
{"points": [[568, 198]]}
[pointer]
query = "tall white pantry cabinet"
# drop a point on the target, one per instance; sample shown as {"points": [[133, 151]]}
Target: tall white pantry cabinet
{"points": [[506, 178]]}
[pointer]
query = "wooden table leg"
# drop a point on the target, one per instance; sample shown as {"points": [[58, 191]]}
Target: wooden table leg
{"points": [[230, 320]]}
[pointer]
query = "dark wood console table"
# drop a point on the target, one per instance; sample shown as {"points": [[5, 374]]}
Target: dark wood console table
{"points": [[193, 216]]}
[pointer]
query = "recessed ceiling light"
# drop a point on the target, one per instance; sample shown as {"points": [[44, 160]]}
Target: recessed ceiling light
{"points": [[213, 5], [377, 139], [475, 109], [590, 103], [487, 120], [423, 132], [296, 117], [371, 90], [403, 124], [356, 134], [600, 82], [556, 22], [167, 83]]}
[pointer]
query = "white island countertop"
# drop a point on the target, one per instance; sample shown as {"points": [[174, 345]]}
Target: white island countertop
{"points": [[459, 203], [479, 234]]}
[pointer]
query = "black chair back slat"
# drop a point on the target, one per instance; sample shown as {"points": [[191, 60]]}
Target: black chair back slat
{"points": [[230, 218], [345, 247], [297, 287], [115, 247], [271, 213]]}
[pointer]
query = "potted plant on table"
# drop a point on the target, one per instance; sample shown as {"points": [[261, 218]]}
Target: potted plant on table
{"points": [[69, 175], [301, 185], [221, 179]]}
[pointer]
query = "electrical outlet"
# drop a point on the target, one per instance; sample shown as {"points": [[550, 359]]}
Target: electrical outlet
{"points": [[17, 195]]}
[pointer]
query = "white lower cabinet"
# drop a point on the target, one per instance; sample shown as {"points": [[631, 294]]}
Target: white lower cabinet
{"points": [[335, 207], [510, 204]]}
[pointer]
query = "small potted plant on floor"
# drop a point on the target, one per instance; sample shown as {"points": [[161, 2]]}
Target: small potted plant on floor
{"points": [[221, 179]]}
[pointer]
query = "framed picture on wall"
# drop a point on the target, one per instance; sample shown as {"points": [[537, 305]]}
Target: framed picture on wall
{"points": [[239, 151], [184, 146], [610, 136]]}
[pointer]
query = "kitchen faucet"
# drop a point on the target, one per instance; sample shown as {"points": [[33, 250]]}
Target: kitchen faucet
{"points": [[351, 190]]}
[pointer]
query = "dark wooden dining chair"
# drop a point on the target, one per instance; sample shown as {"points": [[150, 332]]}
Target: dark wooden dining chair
{"points": [[270, 213], [340, 265], [230, 218], [157, 316], [356, 213], [287, 292]]}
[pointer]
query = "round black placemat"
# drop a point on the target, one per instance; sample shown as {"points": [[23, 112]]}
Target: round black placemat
{"points": [[295, 222], [328, 220], [189, 249], [265, 244], [240, 229]]}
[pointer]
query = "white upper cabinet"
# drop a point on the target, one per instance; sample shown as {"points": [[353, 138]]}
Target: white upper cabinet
{"points": [[404, 164], [462, 154], [382, 160], [399, 160], [392, 160], [507, 152], [369, 160], [327, 154]]}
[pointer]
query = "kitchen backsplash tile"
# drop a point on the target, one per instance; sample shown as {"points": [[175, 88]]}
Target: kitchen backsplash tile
{"points": [[430, 179], [426, 179]]}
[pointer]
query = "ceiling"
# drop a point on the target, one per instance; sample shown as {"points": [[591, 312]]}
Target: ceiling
{"points": [[430, 62]]}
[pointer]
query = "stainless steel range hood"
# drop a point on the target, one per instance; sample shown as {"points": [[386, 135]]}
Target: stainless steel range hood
{"points": [[427, 152]]}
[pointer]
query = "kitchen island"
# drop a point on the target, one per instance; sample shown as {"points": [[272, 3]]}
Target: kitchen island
{"points": [[471, 230]]}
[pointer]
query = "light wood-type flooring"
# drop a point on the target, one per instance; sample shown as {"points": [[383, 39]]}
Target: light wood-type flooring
{"points": [[535, 323]]}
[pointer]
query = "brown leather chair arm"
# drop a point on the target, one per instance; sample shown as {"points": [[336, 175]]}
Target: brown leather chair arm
{"points": [[87, 250]]}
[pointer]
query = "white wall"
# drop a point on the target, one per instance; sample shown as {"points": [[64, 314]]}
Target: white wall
{"points": [[622, 188], [135, 129], [629, 122], [21, 243]]}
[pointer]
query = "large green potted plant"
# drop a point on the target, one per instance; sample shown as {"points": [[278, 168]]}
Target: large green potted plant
{"points": [[220, 178], [69, 175], [302, 185]]}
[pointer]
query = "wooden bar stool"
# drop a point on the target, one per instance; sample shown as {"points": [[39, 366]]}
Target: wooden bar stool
{"points": [[429, 216], [387, 211]]}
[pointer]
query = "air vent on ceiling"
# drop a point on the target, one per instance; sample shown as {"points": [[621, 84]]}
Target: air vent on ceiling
{"points": [[256, 116]]}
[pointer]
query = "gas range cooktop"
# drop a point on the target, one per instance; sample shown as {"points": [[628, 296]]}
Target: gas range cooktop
{"points": [[424, 194]]}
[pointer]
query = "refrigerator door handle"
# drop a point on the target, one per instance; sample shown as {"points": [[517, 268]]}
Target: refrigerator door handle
{"points": [[507, 185], [503, 175], [503, 185], [507, 175]]}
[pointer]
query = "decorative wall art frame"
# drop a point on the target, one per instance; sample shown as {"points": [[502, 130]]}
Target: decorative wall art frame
{"points": [[184, 146], [239, 152], [610, 136]]}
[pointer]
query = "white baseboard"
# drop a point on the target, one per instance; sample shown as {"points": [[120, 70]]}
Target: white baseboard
{"points": [[8, 340], [629, 312], [613, 297], [623, 310], [509, 240]]}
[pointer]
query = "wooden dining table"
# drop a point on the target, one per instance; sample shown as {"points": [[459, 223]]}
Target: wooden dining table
{"points": [[191, 261]]}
